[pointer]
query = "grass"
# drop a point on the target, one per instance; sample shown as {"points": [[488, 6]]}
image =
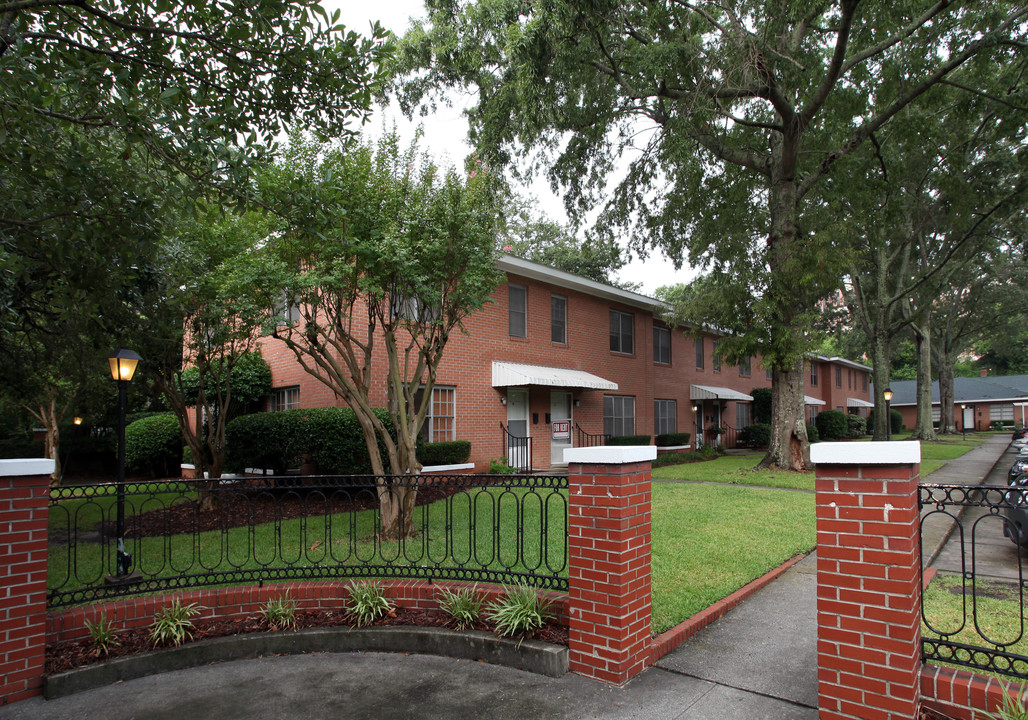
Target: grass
{"points": [[736, 470], [995, 608]]}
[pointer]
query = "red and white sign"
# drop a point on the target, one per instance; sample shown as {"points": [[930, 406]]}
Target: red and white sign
{"points": [[561, 430]]}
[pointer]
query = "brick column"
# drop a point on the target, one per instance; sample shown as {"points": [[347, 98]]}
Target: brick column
{"points": [[24, 508], [868, 580], [609, 559]]}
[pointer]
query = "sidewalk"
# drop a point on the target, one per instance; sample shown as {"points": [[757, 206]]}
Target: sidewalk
{"points": [[758, 662]]}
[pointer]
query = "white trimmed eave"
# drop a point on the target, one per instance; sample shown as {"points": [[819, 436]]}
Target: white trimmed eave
{"points": [[509, 374], [809, 400], [716, 392], [858, 403]]}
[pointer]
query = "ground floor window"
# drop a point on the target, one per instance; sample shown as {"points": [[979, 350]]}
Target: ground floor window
{"points": [[811, 413], [743, 415], [618, 415], [287, 398], [1001, 411], [665, 416], [441, 420]]}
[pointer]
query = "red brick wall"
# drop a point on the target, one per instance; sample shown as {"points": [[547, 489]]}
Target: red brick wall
{"points": [[23, 546], [609, 570]]}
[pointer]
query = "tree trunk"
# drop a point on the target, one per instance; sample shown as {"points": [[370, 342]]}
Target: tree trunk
{"points": [[923, 429], [880, 369], [789, 447], [947, 423]]}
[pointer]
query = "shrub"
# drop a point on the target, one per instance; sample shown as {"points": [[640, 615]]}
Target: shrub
{"points": [[832, 425], [755, 436], [102, 635], [331, 438], [367, 602], [173, 624], [667, 439], [520, 611], [857, 426], [500, 467], [812, 434], [894, 415], [463, 606], [280, 613], [629, 440], [761, 406], [452, 452], [678, 458], [154, 445]]}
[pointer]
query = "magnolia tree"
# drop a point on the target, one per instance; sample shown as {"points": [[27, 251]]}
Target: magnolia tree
{"points": [[384, 257]]}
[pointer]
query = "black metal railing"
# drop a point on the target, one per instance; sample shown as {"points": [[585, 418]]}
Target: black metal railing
{"points": [[517, 450], [585, 439], [960, 628], [509, 529]]}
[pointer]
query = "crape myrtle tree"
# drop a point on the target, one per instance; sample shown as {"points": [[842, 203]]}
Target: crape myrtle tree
{"points": [[727, 117], [201, 326], [382, 258]]}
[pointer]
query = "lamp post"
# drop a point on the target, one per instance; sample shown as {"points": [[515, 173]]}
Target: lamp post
{"points": [[123, 367], [887, 394], [963, 422]]}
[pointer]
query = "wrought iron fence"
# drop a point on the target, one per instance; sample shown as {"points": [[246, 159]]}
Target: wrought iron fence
{"points": [[590, 439], [509, 529], [970, 621], [517, 450]]}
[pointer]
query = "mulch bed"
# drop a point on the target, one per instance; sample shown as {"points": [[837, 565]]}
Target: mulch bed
{"points": [[80, 653]]}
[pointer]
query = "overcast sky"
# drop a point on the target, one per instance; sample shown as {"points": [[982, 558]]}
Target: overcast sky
{"points": [[446, 132]]}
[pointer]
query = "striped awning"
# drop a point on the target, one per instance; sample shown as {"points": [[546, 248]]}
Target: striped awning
{"points": [[858, 403], [713, 392], [507, 374], [808, 400]]}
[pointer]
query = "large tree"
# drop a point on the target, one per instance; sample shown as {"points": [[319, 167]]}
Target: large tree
{"points": [[742, 109], [382, 259]]}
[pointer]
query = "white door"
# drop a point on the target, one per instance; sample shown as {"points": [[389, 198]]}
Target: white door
{"points": [[967, 421], [517, 426], [560, 425]]}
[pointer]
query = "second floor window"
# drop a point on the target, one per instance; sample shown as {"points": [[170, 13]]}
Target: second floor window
{"points": [[813, 374], [715, 359], [699, 353], [661, 345], [838, 377], [558, 319], [744, 367], [621, 332], [518, 310]]}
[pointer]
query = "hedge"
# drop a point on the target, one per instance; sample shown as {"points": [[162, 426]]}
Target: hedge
{"points": [[330, 438], [894, 415], [666, 439], [757, 435], [857, 426], [452, 452], [812, 434], [832, 425], [629, 440], [154, 445]]}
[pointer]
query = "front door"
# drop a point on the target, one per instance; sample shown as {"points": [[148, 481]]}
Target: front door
{"points": [[967, 421], [518, 455], [560, 425]]}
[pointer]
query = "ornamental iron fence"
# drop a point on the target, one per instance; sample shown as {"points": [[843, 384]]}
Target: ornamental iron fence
{"points": [[507, 529], [968, 620]]}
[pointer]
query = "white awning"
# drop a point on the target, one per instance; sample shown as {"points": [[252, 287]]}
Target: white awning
{"points": [[711, 392], [857, 402], [807, 400], [507, 374]]}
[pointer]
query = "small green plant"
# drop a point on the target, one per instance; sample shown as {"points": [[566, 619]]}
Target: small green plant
{"points": [[173, 624], [464, 606], [500, 467], [102, 634], [519, 612], [280, 613], [368, 602], [1013, 707]]}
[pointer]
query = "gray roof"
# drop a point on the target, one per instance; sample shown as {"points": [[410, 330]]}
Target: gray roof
{"points": [[993, 388]]}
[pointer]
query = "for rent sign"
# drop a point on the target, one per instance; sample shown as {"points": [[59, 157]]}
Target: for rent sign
{"points": [[561, 430]]}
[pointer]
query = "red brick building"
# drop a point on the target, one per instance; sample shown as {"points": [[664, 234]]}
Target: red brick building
{"points": [[557, 357]]}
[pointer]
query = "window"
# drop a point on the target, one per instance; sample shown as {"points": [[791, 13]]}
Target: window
{"points": [[661, 345], [699, 353], [618, 415], [863, 377], [288, 312], [558, 319], [743, 415], [621, 332], [838, 377], [411, 309], [286, 398], [715, 359], [813, 374], [813, 414], [1001, 411], [440, 421], [665, 416], [745, 368], [769, 375], [518, 320]]}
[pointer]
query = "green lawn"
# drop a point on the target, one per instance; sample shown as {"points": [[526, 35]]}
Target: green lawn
{"points": [[737, 470]]}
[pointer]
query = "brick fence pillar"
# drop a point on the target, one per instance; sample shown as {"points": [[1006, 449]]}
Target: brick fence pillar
{"points": [[24, 507], [868, 580], [609, 561]]}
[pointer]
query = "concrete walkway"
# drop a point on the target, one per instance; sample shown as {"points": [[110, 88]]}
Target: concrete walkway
{"points": [[758, 662]]}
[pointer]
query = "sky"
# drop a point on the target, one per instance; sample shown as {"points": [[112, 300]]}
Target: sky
{"points": [[446, 133]]}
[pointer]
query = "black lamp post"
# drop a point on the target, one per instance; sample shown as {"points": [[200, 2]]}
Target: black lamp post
{"points": [[123, 367], [963, 422], [887, 394]]}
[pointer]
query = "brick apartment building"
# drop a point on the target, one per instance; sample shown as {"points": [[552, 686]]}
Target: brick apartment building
{"points": [[557, 356]]}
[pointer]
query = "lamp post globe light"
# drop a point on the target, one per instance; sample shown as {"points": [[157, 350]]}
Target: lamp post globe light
{"points": [[963, 422], [123, 364], [887, 394]]}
